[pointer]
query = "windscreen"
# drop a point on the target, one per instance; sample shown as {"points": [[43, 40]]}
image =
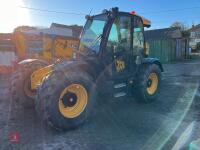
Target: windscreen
{"points": [[92, 34]]}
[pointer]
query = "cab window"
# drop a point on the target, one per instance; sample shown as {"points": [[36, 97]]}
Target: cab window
{"points": [[138, 36], [120, 35]]}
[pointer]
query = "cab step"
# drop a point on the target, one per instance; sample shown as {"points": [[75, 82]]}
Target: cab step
{"points": [[121, 85], [120, 94], [120, 89]]}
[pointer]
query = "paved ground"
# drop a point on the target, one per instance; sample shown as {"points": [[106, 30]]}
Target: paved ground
{"points": [[120, 124]]}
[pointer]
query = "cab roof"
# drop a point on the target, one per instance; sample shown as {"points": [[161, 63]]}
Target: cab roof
{"points": [[115, 10], [146, 22]]}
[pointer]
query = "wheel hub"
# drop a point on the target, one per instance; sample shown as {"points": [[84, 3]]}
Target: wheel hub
{"points": [[152, 83], [149, 83], [73, 100], [69, 99]]}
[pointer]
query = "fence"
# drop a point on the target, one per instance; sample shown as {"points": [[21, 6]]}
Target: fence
{"points": [[168, 50]]}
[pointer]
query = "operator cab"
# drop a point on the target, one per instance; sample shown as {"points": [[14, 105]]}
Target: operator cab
{"points": [[116, 38], [119, 24]]}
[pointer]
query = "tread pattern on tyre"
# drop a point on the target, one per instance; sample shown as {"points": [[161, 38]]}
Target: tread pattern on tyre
{"points": [[49, 91], [17, 80], [140, 90]]}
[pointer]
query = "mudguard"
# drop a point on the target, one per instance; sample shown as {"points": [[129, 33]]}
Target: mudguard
{"points": [[38, 75], [86, 66], [23, 62], [153, 61]]}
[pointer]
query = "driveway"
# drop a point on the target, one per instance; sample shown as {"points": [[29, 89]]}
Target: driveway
{"points": [[121, 124]]}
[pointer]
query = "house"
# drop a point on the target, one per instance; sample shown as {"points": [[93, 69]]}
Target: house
{"points": [[194, 36], [64, 32], [55, 29], [76, 30], [167, 44]]}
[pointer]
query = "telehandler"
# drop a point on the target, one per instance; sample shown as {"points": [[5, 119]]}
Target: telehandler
{"points": [[112, 48], [35, 51]]}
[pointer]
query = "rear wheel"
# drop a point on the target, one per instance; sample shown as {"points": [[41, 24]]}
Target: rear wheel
{"points": [[149, 79], [21, 83], [65, 102]]}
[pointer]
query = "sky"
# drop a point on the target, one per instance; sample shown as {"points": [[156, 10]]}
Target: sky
{"points": [[162, 13]]}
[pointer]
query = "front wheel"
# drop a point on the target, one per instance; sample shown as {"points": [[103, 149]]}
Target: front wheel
{"points": [[65, 101], [149, 80]]}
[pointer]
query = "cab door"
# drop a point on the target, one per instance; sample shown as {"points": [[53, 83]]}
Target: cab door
{"points": [[138, 42], [119, 45]]}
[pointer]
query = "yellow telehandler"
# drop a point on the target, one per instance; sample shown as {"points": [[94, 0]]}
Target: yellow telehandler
{"points": [[35, 51]]}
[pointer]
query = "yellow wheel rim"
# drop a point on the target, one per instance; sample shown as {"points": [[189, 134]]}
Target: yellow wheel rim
{"points": [[152, 83], [73, 100]]}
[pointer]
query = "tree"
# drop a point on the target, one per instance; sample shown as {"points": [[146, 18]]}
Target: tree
{"points": [[184, 28], [180, 25], [24, 28]]}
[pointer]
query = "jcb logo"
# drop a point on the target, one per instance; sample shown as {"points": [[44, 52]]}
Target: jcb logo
{"points": [[120, 65]]}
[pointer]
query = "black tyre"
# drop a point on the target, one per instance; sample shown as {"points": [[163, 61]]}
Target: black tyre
{"points": [[20, 86], [149, 80], [65, 100]]}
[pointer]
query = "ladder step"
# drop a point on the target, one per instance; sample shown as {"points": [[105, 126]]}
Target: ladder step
{"points": [[120, 94], [121, 85]]}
